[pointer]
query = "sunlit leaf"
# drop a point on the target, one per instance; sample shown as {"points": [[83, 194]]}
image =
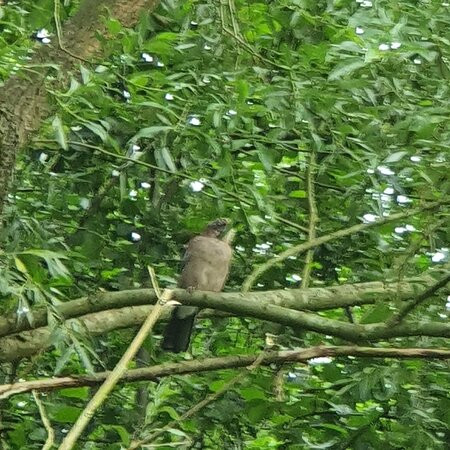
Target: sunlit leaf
{"points": [[150, 132], [346, 68], [59, 132], [395, 157]]}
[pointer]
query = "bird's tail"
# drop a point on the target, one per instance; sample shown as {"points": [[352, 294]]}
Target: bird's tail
{"points": [[177, 334]]}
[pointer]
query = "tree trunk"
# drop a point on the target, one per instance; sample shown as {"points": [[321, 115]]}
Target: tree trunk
{"points": [[23, 99]]}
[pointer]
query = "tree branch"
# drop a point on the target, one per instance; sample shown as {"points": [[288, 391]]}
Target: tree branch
{"points": [[50, 441], [312, 299], [116, 374], [28, 343], [313, 218], [228, 362], [295, 250], [408, 307], [206, 401]]}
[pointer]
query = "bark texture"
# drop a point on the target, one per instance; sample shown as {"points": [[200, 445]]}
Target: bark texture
{"points": [[23, 100], [311, 299]]}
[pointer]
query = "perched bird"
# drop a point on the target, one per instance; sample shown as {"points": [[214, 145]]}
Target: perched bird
{"points": [[206, 265]]}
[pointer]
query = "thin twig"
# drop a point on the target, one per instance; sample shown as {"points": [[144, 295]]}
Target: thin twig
{"points": [[227, 362], [180, 175], [313, 218], [121, 367], [252, 52], [295, 250], [426, 232], [46, 422], [236, 36], [206, 401], [57, 20], [408, 307], [234, 23]]}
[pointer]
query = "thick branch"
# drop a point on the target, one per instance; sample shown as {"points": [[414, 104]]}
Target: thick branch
{"points": [[377, 332], [229, 362], [312, 322], [29, 343], [312, 299], [32, 342]]}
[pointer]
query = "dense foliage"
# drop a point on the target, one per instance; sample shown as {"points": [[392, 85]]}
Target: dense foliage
{"points": [[230, 109]]}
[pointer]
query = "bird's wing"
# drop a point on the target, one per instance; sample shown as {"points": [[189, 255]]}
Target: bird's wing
{"points": [[206, 264]]}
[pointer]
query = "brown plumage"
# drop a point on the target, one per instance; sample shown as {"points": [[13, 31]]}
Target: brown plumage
{"points": [[206, 265]]}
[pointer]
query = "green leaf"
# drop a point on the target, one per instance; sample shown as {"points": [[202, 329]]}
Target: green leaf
{"points": [[158, 106], [20, 265], [170, 411], [65, 357], [236, 144], [150, 132], [83, 355], [182, 47], [242, 89], [59, 133], [267, 156], [378, 313], [45, 254], [164, 159], [19, 435], [395, 157], [298, 194], [121, 431], [252, 393], [162, 44], [176, 432], [65, 414], [114, 26], [97, 129], [345, 68], [328, 444], [85, 74], [342, 409], [163, 119], [167, 157], [81, 393]]}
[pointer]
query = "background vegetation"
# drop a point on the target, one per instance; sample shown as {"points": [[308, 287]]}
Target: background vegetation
{"points": [[295, 119]]}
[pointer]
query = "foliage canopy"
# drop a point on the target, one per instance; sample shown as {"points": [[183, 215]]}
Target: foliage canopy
{"points": [[293, 119]]}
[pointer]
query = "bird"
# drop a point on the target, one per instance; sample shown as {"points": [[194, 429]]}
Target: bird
{"points": [[206, 264]]}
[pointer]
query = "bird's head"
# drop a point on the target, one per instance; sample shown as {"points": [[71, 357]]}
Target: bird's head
{"points": [[216, 228]]}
